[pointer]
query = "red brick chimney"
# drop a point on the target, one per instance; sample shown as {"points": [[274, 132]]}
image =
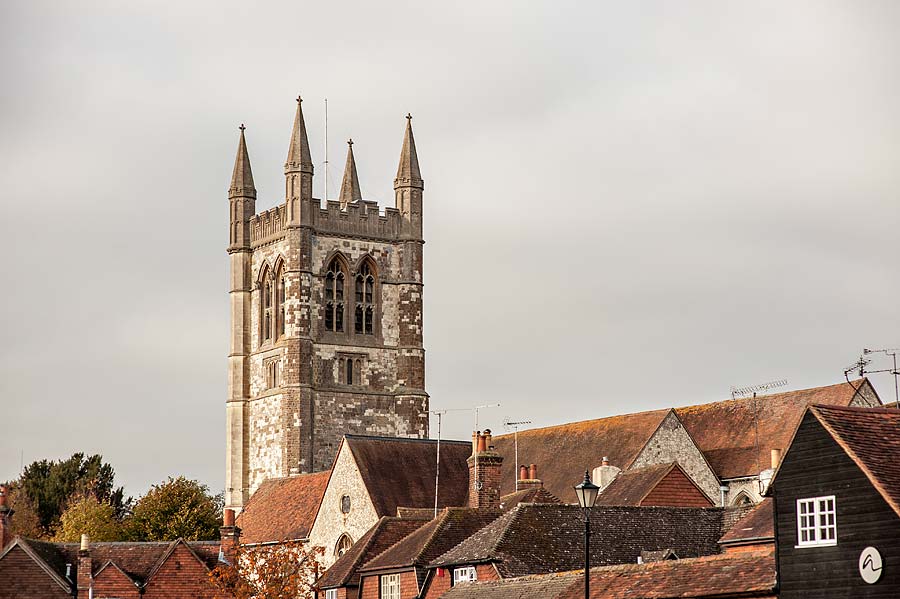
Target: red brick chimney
{"points": [[484, 472], [530, 477], [6, 514], [84, 577], [230, 535]]}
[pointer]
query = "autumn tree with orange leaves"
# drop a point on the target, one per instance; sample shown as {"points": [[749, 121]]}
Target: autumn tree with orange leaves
{"points": [[286, 570]]}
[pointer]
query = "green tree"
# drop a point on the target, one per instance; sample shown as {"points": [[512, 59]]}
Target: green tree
{"points": [[25, 521], [87, 515], [176, 508], [50, 484]]}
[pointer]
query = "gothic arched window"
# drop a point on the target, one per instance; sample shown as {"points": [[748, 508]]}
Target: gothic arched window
{"points": [[343, 545], [742, 500], [334, 297], [266, 301], [279, 301], [365, 299]]}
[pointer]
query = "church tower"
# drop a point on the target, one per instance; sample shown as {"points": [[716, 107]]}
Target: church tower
{"points": [[326, 318]]}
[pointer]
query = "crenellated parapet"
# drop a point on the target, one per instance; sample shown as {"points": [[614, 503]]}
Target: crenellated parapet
{"points": [[268, 226], [359, 219]]}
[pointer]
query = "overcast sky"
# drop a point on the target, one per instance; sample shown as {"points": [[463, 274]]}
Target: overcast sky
{"points": [[628, 205]]}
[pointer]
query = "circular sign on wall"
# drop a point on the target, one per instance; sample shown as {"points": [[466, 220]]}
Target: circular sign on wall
{"points": [[870, 565]]}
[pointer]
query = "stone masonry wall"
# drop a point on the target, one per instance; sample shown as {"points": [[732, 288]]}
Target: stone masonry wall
{"points": [[330, 522], [672, 443]]}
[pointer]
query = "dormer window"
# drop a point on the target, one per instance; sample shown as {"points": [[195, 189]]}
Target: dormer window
{"points": [[464, 574]]}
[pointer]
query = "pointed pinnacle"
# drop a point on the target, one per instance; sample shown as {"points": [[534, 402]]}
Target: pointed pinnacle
{"points": [[408, 174], [350, 191], [242, 176], [298, 158]]}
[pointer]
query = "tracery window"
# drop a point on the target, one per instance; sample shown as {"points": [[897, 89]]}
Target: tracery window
{"points": [[343, 545], [334, 297], [365, 304]]}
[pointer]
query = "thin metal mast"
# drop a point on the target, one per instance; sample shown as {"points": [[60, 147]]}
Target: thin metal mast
{"points": [[326, 150], [515, 426]]}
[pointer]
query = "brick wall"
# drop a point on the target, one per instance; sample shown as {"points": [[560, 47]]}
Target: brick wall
{"points": [[111, 582], [370, 586], [22, 578], [180, 576]]}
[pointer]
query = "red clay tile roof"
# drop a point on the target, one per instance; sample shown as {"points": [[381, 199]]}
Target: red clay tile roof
{"points": [[632, 487], [871, 437], [726, 431], [562, 453], [400, 472], [757, 526], [748, 574], [451, 527], [386, 532], [536, 539], [282, 509]]}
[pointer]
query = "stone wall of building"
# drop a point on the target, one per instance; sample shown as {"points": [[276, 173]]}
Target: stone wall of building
{"points": [[672, 443]]}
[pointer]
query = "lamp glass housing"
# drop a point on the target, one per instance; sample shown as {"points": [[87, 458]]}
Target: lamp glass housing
{"points": [[587, 492]]}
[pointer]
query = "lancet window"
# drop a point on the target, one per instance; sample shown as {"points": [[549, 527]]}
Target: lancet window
{"points": [[365, 300], [279, 301], [334, 297]]}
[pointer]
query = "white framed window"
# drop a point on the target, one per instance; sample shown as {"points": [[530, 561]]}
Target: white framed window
{"points": [[390, 586], [816, 521], [331, 594], [465, 574]]}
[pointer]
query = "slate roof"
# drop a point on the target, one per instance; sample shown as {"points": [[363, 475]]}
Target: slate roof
{"points": [[756, 527], [747, 574], [451, 527], [137, 560], [871, 438], [562, 453], [400, 472], [535, 539], [282, 509], [383, 535], [726, 431]]}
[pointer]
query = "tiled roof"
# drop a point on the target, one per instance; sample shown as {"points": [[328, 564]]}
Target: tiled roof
{"points": [[629, 487], [757, 526], [400, 472], [871, 437], [282, 509], [530, 495], [534, 538], [137, 560], [451, 527], [727, 431], [384, 534], [748, 574], [562, 453]]}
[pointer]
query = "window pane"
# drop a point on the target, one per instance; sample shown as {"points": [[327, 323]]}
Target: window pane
{"points": [[359, 319], [329, 316], [339, 318], [339, 290]]}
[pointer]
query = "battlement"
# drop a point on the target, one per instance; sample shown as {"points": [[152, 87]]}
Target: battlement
{"points": [[359, 219], [269, 225]]}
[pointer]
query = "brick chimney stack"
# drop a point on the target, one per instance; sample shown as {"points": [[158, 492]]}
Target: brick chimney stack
{"points": [[230, 536], [84, 578], [529, 477], [6, 514], [484, 472]]}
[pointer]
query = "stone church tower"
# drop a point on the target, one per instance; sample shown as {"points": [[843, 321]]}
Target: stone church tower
{"points": [[326, 318]]}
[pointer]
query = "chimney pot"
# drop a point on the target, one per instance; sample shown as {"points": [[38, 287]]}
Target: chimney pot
{"points": [[3, 492], [482, 446], [532, 471], [85, 542], [228, 519], [523, 472], [776, 458], [605, 461]]}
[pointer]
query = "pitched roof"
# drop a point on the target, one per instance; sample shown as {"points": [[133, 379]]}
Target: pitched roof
{"points": [[757, 526], [871, 438], [386, 532], [534, 538], [282, 508], [727, 431], [400, 472], [562, 453], [529, 495], [452, 526], [632, 487], [748, 574], [138, 560]]}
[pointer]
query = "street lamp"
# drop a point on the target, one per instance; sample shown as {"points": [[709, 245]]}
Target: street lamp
{"points": [[587, 494]]}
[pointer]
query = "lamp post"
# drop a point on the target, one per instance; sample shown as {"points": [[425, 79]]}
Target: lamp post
{"points": [[587, 494]]}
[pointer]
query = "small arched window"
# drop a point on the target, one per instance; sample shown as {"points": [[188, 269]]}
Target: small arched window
{"points": [[279, 301], [349, 370], [742, 500], [343, 545], [365, 300], [266, 301], [334, 297]]}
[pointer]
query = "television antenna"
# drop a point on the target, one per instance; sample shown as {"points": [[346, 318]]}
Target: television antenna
{"points": [[752, 390], [509, 424], [888, 351], [437, 469]]}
